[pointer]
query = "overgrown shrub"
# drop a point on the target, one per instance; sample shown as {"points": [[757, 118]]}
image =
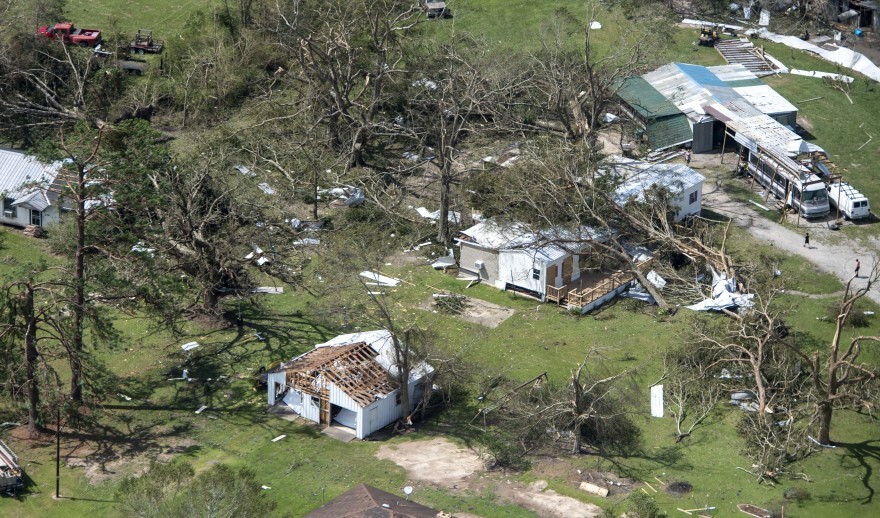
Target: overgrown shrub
{"points": [[640, 505], [796, 494], [856, 317], [505, 451]]}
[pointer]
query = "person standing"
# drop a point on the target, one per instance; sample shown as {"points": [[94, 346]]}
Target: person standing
{"points": [[807, 240], [858, 266], [687, 157]]}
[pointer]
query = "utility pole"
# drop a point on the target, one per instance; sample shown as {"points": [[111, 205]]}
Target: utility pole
{"points": [[58, 452]]}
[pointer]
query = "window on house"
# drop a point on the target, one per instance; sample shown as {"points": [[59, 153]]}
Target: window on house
{"points": [[536, 274], [693, 198], [315, 401], [9, 210], [36, 218]]}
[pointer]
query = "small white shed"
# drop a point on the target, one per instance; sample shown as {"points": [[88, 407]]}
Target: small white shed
{"points": [[510, 256], [351, 380], [684, 184], [30, 194]]}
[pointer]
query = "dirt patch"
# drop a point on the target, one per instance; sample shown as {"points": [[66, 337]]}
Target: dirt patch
{"points": [[438, 462], [546, 502], [409, 258], [107, 464], [444, 464], [679, 488], [477, 311]]}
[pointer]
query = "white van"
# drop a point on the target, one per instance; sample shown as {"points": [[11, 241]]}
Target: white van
{"points": [[850, 202]]}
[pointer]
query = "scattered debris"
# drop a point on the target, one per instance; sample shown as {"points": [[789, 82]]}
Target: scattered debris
{"points": [[201, 409], [810, 437], [279, 438], [349, 195], [593, 489], [815, 73], [380, 280], [595, 25], [123, 396], [275, 290], [187, 347], [434, 217], [753, 202], [266, 188], [724, 295], [754, 510], [265, 487]]}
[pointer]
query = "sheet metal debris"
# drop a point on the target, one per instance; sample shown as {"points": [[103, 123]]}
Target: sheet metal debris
{"points": [[380, 280], [724, 295], [189, 346]]}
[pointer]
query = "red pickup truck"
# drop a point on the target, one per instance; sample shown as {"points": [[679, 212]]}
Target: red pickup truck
{"points": [[67, 32]]}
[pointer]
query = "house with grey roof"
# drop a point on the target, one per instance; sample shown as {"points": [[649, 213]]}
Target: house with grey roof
{"points": [[511, 256], [29, 188], [635, 178], [364, 500]]}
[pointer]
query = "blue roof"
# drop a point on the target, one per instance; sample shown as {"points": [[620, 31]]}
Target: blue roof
{"points": [[701, 75]]}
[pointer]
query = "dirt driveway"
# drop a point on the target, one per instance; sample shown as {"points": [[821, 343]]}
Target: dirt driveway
{"points": [[441, 463], [830, 251]]}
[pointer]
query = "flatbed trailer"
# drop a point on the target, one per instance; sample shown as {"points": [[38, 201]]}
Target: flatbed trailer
{"points": [[10, 472], [144, 43]]}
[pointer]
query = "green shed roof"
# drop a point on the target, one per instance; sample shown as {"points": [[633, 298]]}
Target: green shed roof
{"points": [[645, 99], [669, 131]]}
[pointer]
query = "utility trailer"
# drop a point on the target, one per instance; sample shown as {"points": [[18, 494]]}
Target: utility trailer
{"points": [[144, 43], [10, 472], [127, 64]]}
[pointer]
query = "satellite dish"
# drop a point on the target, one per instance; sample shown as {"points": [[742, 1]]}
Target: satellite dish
{"points": [[408, 490]]}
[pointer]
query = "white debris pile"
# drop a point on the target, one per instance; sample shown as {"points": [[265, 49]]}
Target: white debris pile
{"points": [[724, 295], [349, 195]]}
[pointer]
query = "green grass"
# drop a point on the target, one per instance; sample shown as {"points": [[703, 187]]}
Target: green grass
{"points": [[306, 467], [165, 18]]}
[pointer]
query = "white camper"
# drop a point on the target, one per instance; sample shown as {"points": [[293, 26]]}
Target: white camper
{"points": [[850, 202]]}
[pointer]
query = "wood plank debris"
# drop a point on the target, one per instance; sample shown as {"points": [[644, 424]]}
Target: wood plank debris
{"points": [[594, 489], [279, 438], [201, 409]]}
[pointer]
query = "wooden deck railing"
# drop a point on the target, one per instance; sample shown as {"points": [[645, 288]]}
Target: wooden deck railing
{"points": [[586, 296], [555, 294]]}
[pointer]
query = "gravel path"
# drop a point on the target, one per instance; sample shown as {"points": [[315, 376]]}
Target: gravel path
{"points": [[838, 258]]}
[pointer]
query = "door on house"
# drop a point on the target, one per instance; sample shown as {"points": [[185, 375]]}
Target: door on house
{"points": [[36, 218], [566, 269], [551, 276]]}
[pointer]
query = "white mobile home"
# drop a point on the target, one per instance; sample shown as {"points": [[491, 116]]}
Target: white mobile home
{"points": [[683, 183], [28, 186], [351, 380], [512, 257]]}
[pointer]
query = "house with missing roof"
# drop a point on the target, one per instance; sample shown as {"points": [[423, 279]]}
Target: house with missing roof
{"points": [[351, 381], [30, 190], [364, 500], [634, 178], [680, 92]]}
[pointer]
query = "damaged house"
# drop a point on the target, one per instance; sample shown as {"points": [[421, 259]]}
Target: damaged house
{"points": [[350, 381], [30, 188], [635, 178]]}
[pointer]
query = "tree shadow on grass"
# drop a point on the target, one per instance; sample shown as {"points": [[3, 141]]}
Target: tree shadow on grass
{"points": [[867, 454]]}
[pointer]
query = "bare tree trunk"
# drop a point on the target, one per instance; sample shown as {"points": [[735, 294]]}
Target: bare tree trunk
{"points": [[79, 297], [30, 353], [443, 222], [825, 414]]}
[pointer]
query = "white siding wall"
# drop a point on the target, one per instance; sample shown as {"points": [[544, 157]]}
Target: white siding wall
{"points": [[311, 411], [386, 412], [340, 398], [471, 253], [685, 208], [272, 380], [23, 217], [515, 267]]}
